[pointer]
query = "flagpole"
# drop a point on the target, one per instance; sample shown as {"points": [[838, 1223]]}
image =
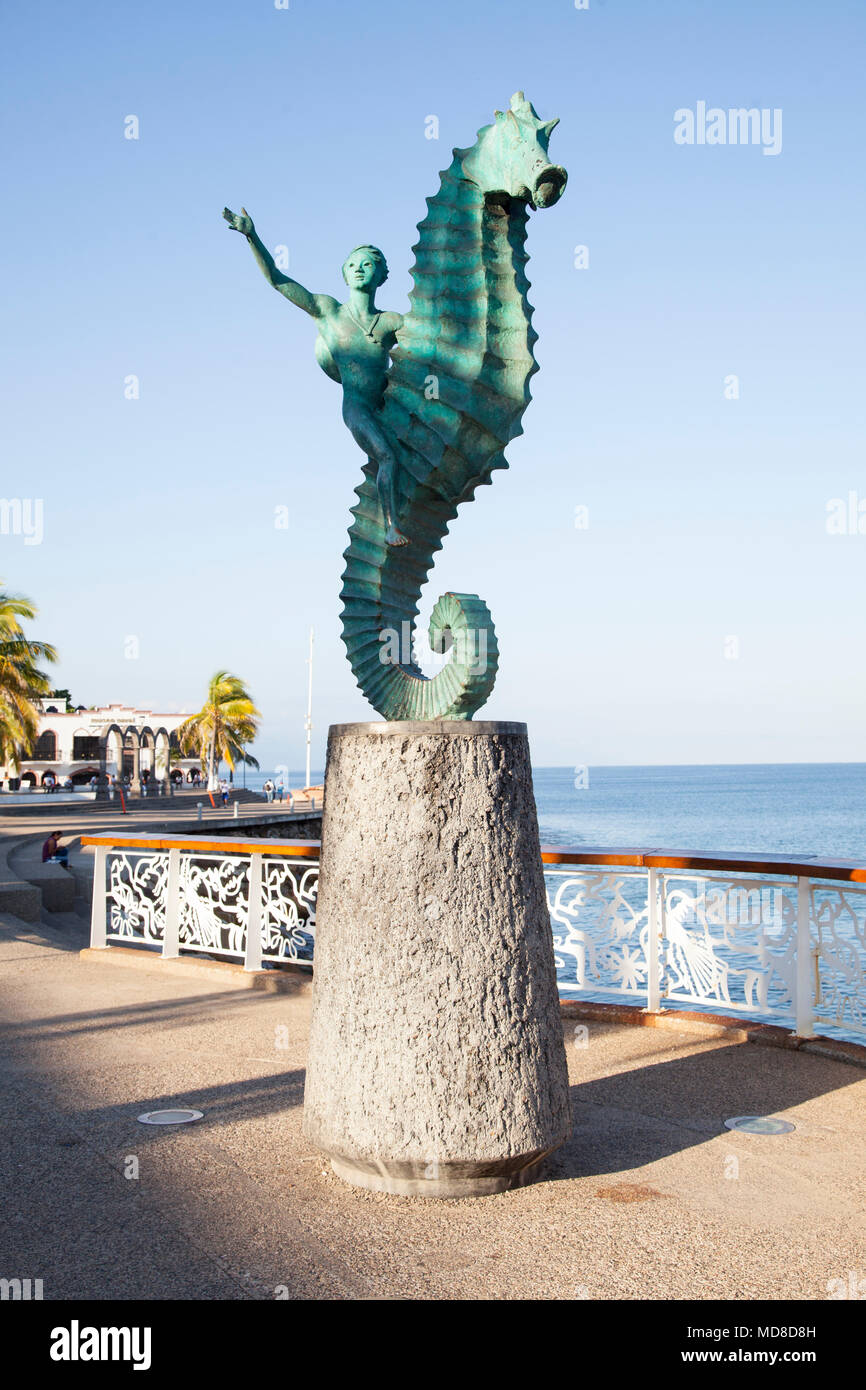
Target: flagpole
{"points": [[308, 722]]}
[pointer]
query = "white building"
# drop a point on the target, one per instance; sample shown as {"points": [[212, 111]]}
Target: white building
{"points": [[109, 743]]}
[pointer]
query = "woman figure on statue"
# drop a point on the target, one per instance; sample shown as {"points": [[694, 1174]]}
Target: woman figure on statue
{"points": [[353, 347]]}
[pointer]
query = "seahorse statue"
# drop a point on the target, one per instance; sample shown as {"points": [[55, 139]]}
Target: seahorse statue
{"points": [[435, 424]]}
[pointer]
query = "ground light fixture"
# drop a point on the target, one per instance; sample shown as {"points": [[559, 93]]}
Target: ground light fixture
{"points": [[759, 1124], [169, 1117]]}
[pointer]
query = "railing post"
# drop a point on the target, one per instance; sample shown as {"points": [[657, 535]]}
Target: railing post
{"points": [[171, 928], [99, 906], [654, 915], [804, 999], [253, 943]]}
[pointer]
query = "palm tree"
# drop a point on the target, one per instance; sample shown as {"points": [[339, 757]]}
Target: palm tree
{"points": [[20, 679], [228, 720]]}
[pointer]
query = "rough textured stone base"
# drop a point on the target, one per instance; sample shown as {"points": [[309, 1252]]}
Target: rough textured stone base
{"points": [[437, 1065], [436, 1179]]}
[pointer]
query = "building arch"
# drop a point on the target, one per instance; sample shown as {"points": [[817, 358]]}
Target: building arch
{"points": [[85, 746], [45, 747], [147, 756], [162, 755], [110, 756], [84, 775], [132, 757]]}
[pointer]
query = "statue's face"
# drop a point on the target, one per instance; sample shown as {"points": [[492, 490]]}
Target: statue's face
{"points": [[363, 270]]}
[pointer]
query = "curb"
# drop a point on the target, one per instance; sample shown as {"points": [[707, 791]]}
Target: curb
{"points": [[716, 1026], [286, 980]]}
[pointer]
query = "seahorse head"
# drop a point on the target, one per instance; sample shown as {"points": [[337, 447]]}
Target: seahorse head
{"points": [[510, 157]]}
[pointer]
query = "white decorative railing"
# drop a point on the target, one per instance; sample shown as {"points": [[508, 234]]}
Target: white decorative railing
{"points": [[253, 899], [662, 930], [779, 940]]}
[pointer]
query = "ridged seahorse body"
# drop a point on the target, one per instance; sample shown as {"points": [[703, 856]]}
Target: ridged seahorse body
{"points": [[456, 391]]}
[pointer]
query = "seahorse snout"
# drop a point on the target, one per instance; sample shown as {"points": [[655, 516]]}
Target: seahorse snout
{"points": [[548, 186]]}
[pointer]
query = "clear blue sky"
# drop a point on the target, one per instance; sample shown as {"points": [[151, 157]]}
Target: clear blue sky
{"points": [[706, 515]]}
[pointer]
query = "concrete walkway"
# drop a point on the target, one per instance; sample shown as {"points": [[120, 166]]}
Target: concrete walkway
{"points": [[170, 813], [651, 1199]]}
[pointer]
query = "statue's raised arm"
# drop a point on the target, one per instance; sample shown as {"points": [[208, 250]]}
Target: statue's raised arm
{"points": [[313, 304]]}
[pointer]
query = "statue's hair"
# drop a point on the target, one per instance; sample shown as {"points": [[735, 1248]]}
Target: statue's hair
{"points": [[376, 252]]}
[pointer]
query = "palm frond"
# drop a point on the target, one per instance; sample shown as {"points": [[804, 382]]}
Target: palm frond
{"points": [[21, 680]]}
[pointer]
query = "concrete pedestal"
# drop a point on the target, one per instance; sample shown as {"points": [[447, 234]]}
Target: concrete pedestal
{"points": [[436, 1065]]}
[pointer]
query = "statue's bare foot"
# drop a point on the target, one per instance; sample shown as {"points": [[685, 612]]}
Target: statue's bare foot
{"points": [[395, 537]]}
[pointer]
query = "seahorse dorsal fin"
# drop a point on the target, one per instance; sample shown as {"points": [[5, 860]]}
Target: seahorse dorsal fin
{"points": [[524, 109]]}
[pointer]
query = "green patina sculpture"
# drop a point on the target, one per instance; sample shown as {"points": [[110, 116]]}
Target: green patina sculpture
{"points": [[433, 424]]}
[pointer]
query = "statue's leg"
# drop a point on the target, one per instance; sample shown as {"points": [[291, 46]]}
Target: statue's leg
{"points": [[371, 437], [386, 483]]}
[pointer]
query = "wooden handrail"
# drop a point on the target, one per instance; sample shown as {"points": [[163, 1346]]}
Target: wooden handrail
{"points": [[791, 866], [811, 866], [303, 849]]}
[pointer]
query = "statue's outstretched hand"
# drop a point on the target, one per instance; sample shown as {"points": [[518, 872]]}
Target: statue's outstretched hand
{"points": [[239, 222]]}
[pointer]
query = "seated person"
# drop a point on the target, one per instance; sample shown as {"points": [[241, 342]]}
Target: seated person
{"points": [[52, 852]]}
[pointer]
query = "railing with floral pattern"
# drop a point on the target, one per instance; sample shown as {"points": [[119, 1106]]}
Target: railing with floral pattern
{"points": [[254, 899], [777, 939]]}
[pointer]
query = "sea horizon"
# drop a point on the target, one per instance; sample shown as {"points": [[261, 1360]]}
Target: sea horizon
{"points": [[803, 808]]}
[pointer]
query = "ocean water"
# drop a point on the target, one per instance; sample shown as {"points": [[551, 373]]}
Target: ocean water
{"points": [[765, 808], [783, 808]]}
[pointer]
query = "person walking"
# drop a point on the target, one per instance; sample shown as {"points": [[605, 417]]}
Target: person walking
{"points": [[269, 789]]}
